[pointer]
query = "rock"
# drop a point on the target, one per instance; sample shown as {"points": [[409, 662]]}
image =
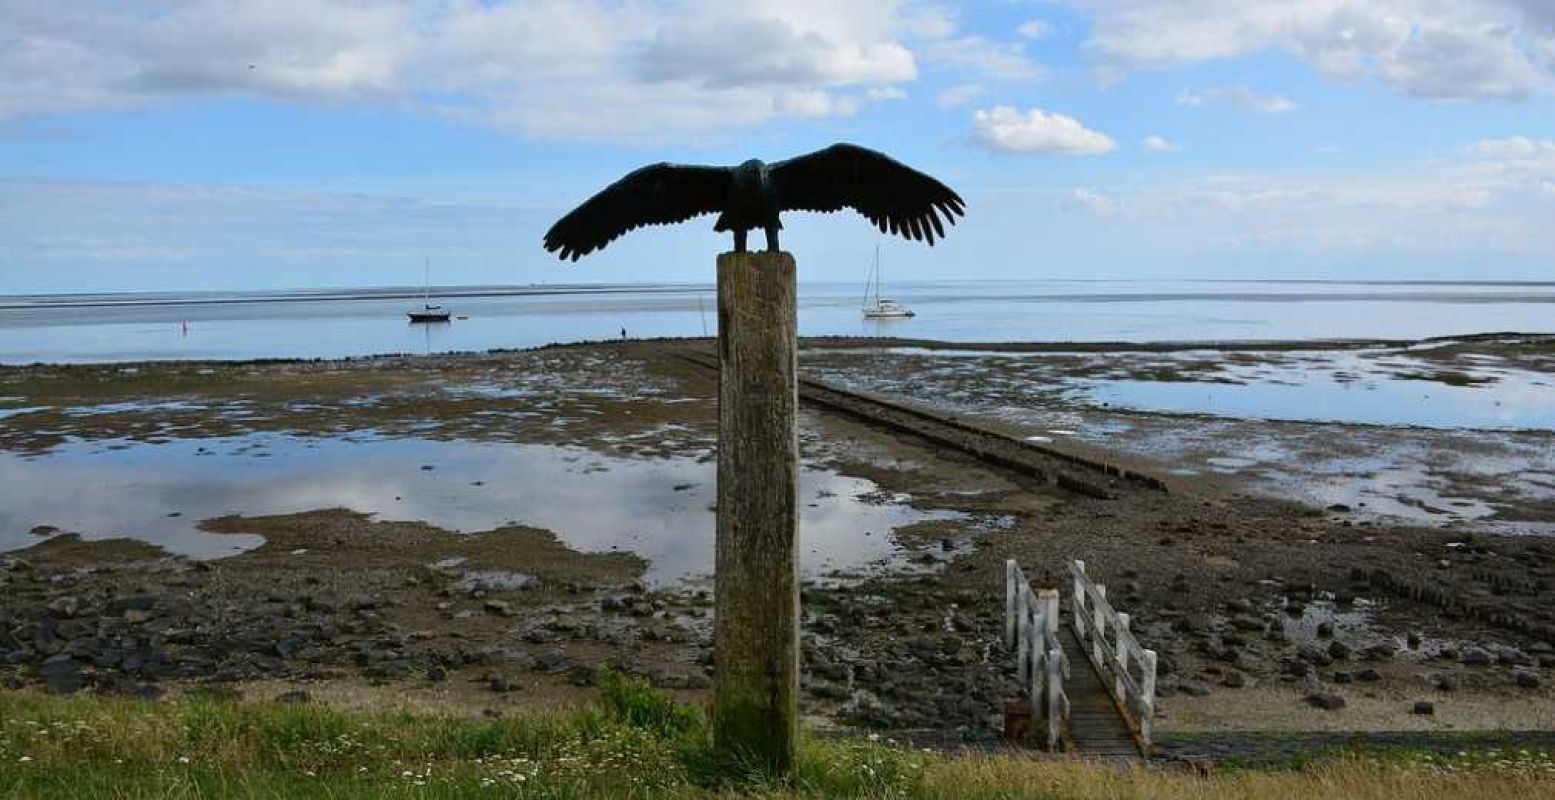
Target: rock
{"points": [[501, 683], [1526, 679], [1235, 680], [1325, 630], [1338, 650], [1194, 688], [140, 602], [1343, 677], [65, 606], [62, 675], [1414, 640], [554, 661], [1423, 707], [1325, 701], [1513, 656], [1196, 622], [294, 697], [1247, 622], [1368, 675], [1240, 606], [436, 673], [1447, 683], [1476, 656], [1314, 655], [581, 675], [43, 530]]}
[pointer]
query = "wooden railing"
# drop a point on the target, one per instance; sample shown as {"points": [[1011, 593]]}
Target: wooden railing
{"points": [[1119, 657], [1031, 631]]}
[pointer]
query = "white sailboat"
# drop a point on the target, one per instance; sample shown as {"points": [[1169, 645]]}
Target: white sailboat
{"points": [[427, 312], [879, 307]]}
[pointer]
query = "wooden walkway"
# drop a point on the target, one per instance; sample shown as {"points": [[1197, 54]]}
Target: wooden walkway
{"points": [[1096, 729]]}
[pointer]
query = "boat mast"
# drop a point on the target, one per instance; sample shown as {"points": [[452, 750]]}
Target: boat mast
{"points": [[426, 282]]}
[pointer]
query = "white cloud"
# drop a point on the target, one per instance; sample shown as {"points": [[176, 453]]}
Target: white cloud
{"points": [[1238, 96], [979, 55], [1444, 49], [1158, 144], [643, 70], [1094, 202], [1511, 148], [958, 96], [886, 93], [1009, 130], [1035, 29]]}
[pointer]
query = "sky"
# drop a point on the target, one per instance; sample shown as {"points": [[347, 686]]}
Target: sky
{"points": [[256, 144]]}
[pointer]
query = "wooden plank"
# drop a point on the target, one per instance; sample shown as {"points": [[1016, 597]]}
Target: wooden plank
{"points": [[756, 628]]}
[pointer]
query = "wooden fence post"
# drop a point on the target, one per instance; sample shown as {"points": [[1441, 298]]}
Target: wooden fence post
{"points": [[1011, 580], [756, 629]]}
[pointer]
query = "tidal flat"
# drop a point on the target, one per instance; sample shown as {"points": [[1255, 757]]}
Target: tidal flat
{"points": [[484, 530]]}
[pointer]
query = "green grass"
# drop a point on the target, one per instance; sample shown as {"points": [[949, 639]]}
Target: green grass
{"points": [[635, 743]]}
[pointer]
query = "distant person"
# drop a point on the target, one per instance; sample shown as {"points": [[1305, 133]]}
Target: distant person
{"points": [[623, 333]]}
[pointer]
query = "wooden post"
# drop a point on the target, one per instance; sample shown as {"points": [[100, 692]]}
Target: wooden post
{"points": [[1011, 580], [756, 630]]}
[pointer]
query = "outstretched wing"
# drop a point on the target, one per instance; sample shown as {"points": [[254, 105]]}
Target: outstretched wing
{"points": [[893, 196], [658, 194]]}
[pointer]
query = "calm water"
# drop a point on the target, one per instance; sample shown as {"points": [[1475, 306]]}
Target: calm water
{"points": [[659, 508], [83, 328]]}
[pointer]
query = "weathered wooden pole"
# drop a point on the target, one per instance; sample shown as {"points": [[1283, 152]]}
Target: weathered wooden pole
{"points": [[756, 631]]}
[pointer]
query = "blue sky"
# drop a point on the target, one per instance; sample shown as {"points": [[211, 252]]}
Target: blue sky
{"points": [[213, 144]]}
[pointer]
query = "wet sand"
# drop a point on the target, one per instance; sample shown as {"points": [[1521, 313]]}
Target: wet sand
{"points": [[1229, 576]]}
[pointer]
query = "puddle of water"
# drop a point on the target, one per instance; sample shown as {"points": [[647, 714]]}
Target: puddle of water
{"points": [[1343, 387], [658, 508]]}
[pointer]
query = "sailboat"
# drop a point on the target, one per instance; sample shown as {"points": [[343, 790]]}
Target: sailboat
{"points": [[879, 307], [427, 312]]}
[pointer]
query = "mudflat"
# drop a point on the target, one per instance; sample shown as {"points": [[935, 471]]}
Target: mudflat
{"points": [[323, 527]]}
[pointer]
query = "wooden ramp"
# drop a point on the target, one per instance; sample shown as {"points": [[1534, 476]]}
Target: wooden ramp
{"points": [[1096, 727]]}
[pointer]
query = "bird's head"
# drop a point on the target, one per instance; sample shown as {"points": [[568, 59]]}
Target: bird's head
{"points": [[752, 168]]}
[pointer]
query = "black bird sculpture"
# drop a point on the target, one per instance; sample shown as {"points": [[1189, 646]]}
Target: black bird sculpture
{"points": [[896, 198]]}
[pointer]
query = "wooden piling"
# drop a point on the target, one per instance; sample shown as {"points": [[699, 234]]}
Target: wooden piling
{"points": [[756, 631]]}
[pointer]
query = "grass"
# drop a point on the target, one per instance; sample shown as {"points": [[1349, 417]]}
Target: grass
{"points": [[636, 743]]}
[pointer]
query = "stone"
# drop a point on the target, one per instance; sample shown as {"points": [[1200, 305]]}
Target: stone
{"points": [[65, 606], [1343, 677], [1326, 701], [553, 661], [499, 607], [62, 675], [436, 673], [1338, 650], [1424, 708], [501, 683], [1235, 679], [1194, 688], [1368, 675], [1476, 656], [1526, 679], [294, 697], [581, 675]]}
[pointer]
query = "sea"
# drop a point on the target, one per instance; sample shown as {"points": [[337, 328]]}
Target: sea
{"points": [[330, 323]]}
